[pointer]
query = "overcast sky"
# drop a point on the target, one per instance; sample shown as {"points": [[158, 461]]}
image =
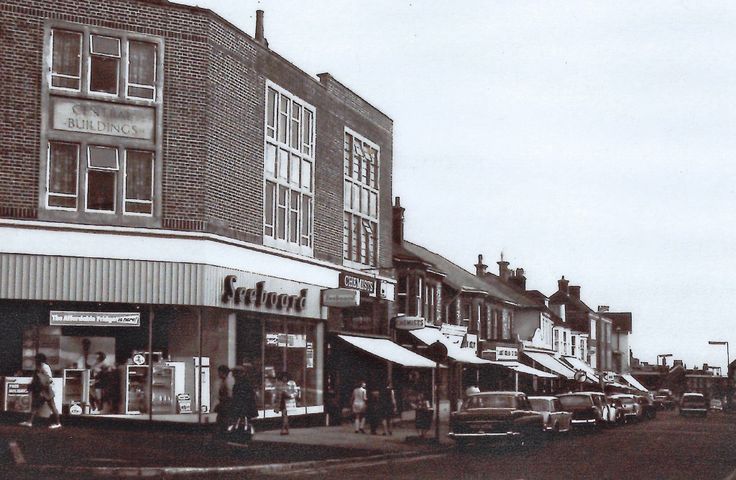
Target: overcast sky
{"points": [[591, 139]]}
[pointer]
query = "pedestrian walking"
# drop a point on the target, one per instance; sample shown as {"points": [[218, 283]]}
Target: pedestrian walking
{"points": [[388, 408], [243, 407], [42, 393], [284, 395], [373, 410], [359, 402], [224, 399]]}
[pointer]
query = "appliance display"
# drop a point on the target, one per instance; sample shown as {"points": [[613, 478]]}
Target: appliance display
{"points": [[136, 390], [76, 386]]}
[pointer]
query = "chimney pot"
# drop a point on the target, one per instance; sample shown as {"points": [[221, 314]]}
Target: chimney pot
{"points": [[260, 36], [480, 267], [503, 269]]}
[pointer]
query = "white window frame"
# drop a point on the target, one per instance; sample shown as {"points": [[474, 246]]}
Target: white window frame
{"points": [[353, 212], [85, 63], [48, 177], [127, 83], [125, 183], [303, 156], [51, 73], [102, 169]]}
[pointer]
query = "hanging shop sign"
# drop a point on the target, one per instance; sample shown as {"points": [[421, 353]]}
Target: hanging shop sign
{"points": [[404, 322], [340, 297], [258, 296], [358, 282], [95, 319], [388, 291]]}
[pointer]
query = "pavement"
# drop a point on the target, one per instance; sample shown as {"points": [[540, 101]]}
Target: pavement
{"points": [[89, 450]]}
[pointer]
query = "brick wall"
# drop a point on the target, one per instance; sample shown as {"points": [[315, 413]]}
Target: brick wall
{"points": [[213, 116]]}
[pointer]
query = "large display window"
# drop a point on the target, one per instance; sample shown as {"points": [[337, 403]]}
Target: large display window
{"points": [[285, 352]]}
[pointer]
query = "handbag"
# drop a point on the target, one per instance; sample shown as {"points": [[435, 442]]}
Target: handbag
{"points": [[240, 431]]}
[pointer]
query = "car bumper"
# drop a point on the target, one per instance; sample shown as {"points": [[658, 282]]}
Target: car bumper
{"points": [[684, 411], [481, 435], [587, 421]]}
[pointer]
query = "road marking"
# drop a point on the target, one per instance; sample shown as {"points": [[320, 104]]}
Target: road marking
{"points": [[17, 453], [361, 464]]}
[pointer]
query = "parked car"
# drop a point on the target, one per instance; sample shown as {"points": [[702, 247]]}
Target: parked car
{"points": [[611, 412], [665, 398], [584, 408], [716, 404], [556, 418], [631, 408], [693, 404], [489, 416], [648, 408]]}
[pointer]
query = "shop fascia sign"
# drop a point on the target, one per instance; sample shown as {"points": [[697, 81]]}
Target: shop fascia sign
{"points": [[258, 296], [405, 322], [360, 283], [340, 297], [95, 319], [501, 353]]}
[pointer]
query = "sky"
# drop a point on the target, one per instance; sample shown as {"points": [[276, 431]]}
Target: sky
{"points": [[588, 139]]}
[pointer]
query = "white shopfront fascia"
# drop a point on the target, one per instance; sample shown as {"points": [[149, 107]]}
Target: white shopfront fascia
{"points": [[80, 263]]}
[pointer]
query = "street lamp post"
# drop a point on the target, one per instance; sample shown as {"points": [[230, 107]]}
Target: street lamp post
{"points": [[728, 355], [663, 356]]}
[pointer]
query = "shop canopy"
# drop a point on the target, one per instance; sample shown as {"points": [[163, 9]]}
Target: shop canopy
{"points": [[429, 335], [521, 368], [388, 350], [578, 364], [634, 382], [547, 360]]}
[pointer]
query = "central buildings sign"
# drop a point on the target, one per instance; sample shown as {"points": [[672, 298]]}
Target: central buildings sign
{"points": [[88, 116]]}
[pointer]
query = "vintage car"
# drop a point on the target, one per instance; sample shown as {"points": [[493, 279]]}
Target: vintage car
{"points": [[665, 399], [716, 404], [556, 419], [586, 410], [488, 416], [632, 409], [693, 404]]}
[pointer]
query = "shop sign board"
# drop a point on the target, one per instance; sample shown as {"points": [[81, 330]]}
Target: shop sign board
{"points": [[88, 116], [259, 296], [184, 403], [361, 283], [453, 330], [507, 353], [404, 322], [95, 319], [388, 291], [340, 297]]}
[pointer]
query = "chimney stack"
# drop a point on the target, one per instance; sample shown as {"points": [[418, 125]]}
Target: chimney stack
{"points": [[503, 269], [603, 308], [575, 291], [260, 37], [480, 267], [398, 222], [562, 285], [518, 279]]}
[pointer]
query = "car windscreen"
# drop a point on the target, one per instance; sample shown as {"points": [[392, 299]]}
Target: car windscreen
{"points": [[576, 401], [626, 400], [693, 401], [540, 404], [490, 401]]}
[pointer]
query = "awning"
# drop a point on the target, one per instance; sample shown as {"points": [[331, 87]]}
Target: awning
{"points": [[388, 350], [429, 335], [547, 360], [521, 368], [634, 382], [578, 364]]}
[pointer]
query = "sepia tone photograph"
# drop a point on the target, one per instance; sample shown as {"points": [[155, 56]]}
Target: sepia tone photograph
{"points": [[402, 239]]}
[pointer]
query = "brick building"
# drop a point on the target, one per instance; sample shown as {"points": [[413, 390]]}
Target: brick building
{"points": [[163, 170]]}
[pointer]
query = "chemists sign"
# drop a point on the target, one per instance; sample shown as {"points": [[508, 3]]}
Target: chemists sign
{"points": [[95, 319]]}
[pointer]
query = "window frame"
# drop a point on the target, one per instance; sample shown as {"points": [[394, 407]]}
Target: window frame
{"points": [[48, 177], [291, 155], [364, 190], [125, 183], [123, 69]]}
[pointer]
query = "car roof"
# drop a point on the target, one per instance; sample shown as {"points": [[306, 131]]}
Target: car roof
{"points": [[496, 393], [542, 397], [692, 394]]}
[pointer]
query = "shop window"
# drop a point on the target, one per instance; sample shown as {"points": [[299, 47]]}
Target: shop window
{"points": [[103, 58], [360, 225], [288, 172], [63, 170], [66, 63], [401, 289]]}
